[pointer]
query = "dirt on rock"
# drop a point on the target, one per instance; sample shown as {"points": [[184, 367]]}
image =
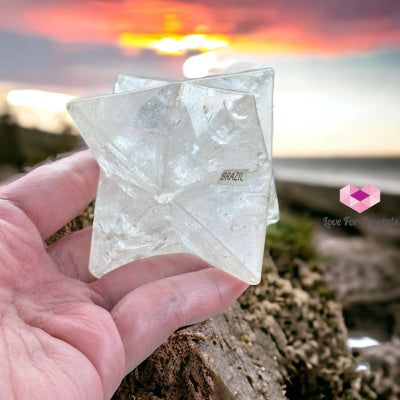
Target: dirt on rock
{"points": [[283, 339]]}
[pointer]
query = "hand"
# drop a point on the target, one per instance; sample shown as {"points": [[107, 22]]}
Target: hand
{"points": [[65, 334]]}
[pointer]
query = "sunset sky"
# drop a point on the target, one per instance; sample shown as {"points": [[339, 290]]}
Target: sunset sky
{"points": [[337, 62]]}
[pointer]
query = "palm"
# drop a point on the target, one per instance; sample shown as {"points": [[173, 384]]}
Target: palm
{"points": [[67, 335], [53, 316]]}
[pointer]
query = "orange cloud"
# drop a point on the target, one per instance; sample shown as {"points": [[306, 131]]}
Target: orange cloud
{"points": [[259, 27], [298, 39], [102, 21]]}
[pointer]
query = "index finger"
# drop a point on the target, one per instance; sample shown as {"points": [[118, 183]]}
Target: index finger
{"points": [[146, 316], [54, 194]]}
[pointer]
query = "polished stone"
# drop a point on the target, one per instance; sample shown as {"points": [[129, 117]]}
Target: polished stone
{"points": [[185, 167]]}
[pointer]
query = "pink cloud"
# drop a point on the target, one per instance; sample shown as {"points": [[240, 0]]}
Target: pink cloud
{"points": [[308, 26]]}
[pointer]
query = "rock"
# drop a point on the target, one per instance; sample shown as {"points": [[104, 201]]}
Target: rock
{"points": [[21, 146], [322, 201], [364, 269], [384, 358], [218, 359], [364, 275], [7, 171], [277, 342], [283, 339]]}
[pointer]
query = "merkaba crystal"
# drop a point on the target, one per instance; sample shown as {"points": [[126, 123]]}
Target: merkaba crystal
{"points": [[185, 167]]}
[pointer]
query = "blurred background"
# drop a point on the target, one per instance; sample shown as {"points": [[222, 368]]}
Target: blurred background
{"points": [[336, 107], [337, 62]]}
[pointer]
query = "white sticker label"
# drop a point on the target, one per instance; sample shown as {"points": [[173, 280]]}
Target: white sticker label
{"points": [[233, 177]]}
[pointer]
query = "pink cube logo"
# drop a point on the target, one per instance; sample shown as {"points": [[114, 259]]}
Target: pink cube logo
{"points": [[360, 199]]}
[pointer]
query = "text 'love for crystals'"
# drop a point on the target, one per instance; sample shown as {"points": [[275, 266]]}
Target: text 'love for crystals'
{"points": [[233, 177]]}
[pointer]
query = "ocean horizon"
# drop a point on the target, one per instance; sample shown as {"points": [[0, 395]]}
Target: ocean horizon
{"points": [[382, 172]]}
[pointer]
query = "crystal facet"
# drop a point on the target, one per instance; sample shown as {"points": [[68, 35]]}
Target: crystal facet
{"points": [[258, 82], [185, 167]]}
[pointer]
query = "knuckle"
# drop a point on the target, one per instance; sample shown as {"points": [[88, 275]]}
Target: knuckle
{"points": [[174, 302], [80, 181]]}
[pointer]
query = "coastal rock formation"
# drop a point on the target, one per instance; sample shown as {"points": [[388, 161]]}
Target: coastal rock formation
{"points": [[283, 339]]}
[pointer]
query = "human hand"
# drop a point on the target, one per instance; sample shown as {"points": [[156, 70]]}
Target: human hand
{"points": [[65, 334]]}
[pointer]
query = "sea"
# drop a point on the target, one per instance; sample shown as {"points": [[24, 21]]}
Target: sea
{"points": [[381, 172]]}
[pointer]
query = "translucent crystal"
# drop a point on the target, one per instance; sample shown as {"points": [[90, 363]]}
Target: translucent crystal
{"points": [[259, 82], [184, 168]]}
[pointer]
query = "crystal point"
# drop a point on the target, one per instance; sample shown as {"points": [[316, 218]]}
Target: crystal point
{"points": [[185, 167]]}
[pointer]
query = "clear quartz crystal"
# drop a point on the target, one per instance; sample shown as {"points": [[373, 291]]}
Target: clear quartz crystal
{"points": [[185, 167]]}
